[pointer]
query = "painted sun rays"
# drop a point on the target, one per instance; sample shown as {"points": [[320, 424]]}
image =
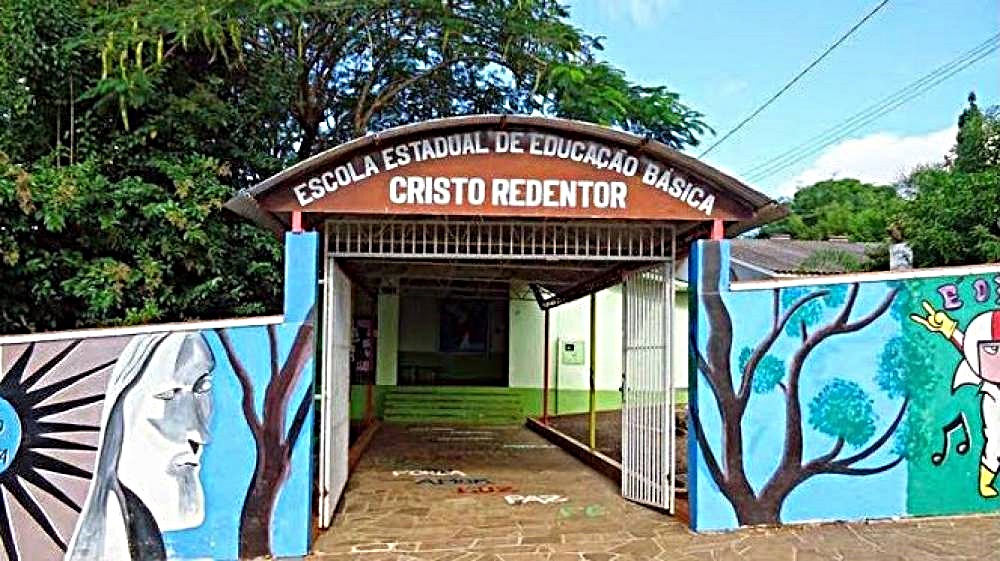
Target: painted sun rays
{"points": [[27, 410]]}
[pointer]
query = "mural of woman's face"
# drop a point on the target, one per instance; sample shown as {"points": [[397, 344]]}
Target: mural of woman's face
{"points": [[166, 415]]}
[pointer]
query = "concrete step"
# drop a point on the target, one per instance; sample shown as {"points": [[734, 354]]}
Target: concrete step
{"points": [[463, 404]]}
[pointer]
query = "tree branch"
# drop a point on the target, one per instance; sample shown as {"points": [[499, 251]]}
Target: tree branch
{"points": [[280, 388], [391, 91], [246, 385], [817, 464], [765, 345], [791, 461], [844, 470], [706, 449], [272, 340], [295, 429], [878, 443]]}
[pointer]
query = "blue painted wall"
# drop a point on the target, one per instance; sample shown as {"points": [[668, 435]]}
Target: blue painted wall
{"points": [[63, 395], [872, 379]]}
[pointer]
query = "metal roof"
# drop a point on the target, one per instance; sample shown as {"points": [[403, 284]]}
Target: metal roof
{"points": [[792, 256]]}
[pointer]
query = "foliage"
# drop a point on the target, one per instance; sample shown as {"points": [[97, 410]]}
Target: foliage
{"points": [[840, 207], [125, 125], [977, 144], [770, 371], [953, 218], [844, 410], [82, 249], [812, 311]]}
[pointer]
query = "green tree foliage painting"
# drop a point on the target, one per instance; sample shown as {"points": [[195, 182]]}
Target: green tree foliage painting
{"points": [[803, 319], [124, 126]]}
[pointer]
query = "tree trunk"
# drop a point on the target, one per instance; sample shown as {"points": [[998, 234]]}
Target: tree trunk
{"points": [[757, 512], [261, 499]]}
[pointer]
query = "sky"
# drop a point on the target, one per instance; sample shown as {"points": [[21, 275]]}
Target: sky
{"points": [[726, 57]]}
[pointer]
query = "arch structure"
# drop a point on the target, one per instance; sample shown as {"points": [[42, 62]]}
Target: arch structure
{"points": [[503, 167], [442, 230]]}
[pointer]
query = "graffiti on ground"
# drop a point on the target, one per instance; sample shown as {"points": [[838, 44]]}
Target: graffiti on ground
{"points": [[428, 472], [486, 489], [538, 499], [453, 481], [589, 511]]}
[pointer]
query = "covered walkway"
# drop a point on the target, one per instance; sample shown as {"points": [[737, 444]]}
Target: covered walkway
{"points": [[488, 493]]}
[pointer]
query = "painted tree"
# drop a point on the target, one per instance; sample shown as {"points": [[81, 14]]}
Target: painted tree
{"points": [[274, 443], [842, 409]]}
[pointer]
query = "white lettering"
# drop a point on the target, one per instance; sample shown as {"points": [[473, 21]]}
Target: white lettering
{"points": [[500, 193], [397, 192], [650, 175], [300, 194], [477, 191]]}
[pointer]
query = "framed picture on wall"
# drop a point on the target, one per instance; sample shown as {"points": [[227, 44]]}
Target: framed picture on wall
{"points": [[464, 326]]}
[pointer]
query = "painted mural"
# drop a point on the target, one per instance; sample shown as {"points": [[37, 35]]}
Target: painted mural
{"points": [[844, 400], [157, 446], [185, 444]]}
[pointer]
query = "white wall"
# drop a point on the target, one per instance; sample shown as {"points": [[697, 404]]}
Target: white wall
{"points": [[572, 322]]}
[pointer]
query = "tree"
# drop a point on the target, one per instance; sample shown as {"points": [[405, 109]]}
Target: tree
{"points": [[842, 409], [274, 443], [125, 125], [838, 207], [970, 142]]}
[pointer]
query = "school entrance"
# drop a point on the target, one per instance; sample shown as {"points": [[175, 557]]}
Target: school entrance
{"points": [[478, 271]]}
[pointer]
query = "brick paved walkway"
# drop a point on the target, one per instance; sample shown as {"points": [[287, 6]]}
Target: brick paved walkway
{"points": [[462, 511]]}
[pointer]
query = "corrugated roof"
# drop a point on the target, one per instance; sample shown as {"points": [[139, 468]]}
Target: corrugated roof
{"points": [[793, 256]]}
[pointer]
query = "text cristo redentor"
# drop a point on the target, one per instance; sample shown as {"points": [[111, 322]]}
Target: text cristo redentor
{"points": [[505, 191]]}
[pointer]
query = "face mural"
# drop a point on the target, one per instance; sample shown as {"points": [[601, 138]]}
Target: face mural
{"points": [[154, 428], [166, 428]]}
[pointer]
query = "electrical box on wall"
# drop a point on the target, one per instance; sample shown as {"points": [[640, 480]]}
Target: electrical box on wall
{"points": [[572, 352]]}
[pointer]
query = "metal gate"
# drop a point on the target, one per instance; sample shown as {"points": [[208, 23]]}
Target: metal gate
{"points": [[647, 388], [335, 391]]}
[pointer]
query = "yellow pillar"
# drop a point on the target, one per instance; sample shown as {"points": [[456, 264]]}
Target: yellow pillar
{"points": [[593, 371]]}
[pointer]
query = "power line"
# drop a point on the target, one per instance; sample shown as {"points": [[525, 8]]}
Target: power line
{"points": [[797, 77], [872, 113], [872, 109]]}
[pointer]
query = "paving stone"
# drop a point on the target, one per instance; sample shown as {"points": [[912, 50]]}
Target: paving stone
{"points": [[394, 518]]}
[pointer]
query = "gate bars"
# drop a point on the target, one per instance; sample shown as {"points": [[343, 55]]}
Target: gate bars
{"points": [[647, 394]]}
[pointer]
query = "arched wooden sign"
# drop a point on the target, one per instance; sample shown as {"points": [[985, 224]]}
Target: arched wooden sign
{"points": [[508, 167]]}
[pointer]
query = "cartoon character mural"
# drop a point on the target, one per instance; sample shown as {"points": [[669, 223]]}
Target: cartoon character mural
{"points": [[979, 366], [153, 428]]}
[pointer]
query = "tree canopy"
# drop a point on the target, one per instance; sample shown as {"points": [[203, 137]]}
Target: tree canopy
{"points": [[125, 125], [949, 212], [953, 215], [839, 207]]}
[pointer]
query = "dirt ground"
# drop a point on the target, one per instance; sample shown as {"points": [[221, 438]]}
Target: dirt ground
{"points": [[609, 436]]}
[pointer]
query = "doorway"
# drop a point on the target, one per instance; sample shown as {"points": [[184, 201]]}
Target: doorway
{"points": [[444, 297]]}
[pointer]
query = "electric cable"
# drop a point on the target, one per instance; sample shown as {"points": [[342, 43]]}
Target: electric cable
{"points": [[797, 77], [852, 125], [874, 108]]}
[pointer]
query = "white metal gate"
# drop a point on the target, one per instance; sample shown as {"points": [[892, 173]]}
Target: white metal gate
{"points": [[647, 392], [335, 391]]}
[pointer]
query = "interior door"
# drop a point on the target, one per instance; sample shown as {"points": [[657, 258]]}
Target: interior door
{"points": [[647, 396], [335, 389]]}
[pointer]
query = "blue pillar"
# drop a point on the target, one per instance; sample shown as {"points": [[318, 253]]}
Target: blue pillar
{"points": [[701, 251], [301, 274]]}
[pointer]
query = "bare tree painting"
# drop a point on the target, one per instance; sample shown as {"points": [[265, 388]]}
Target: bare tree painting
{"points": [[274, 442], [842, 409]]}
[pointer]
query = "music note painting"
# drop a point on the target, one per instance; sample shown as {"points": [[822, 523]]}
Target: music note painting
{"points": [[979, 345]]}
